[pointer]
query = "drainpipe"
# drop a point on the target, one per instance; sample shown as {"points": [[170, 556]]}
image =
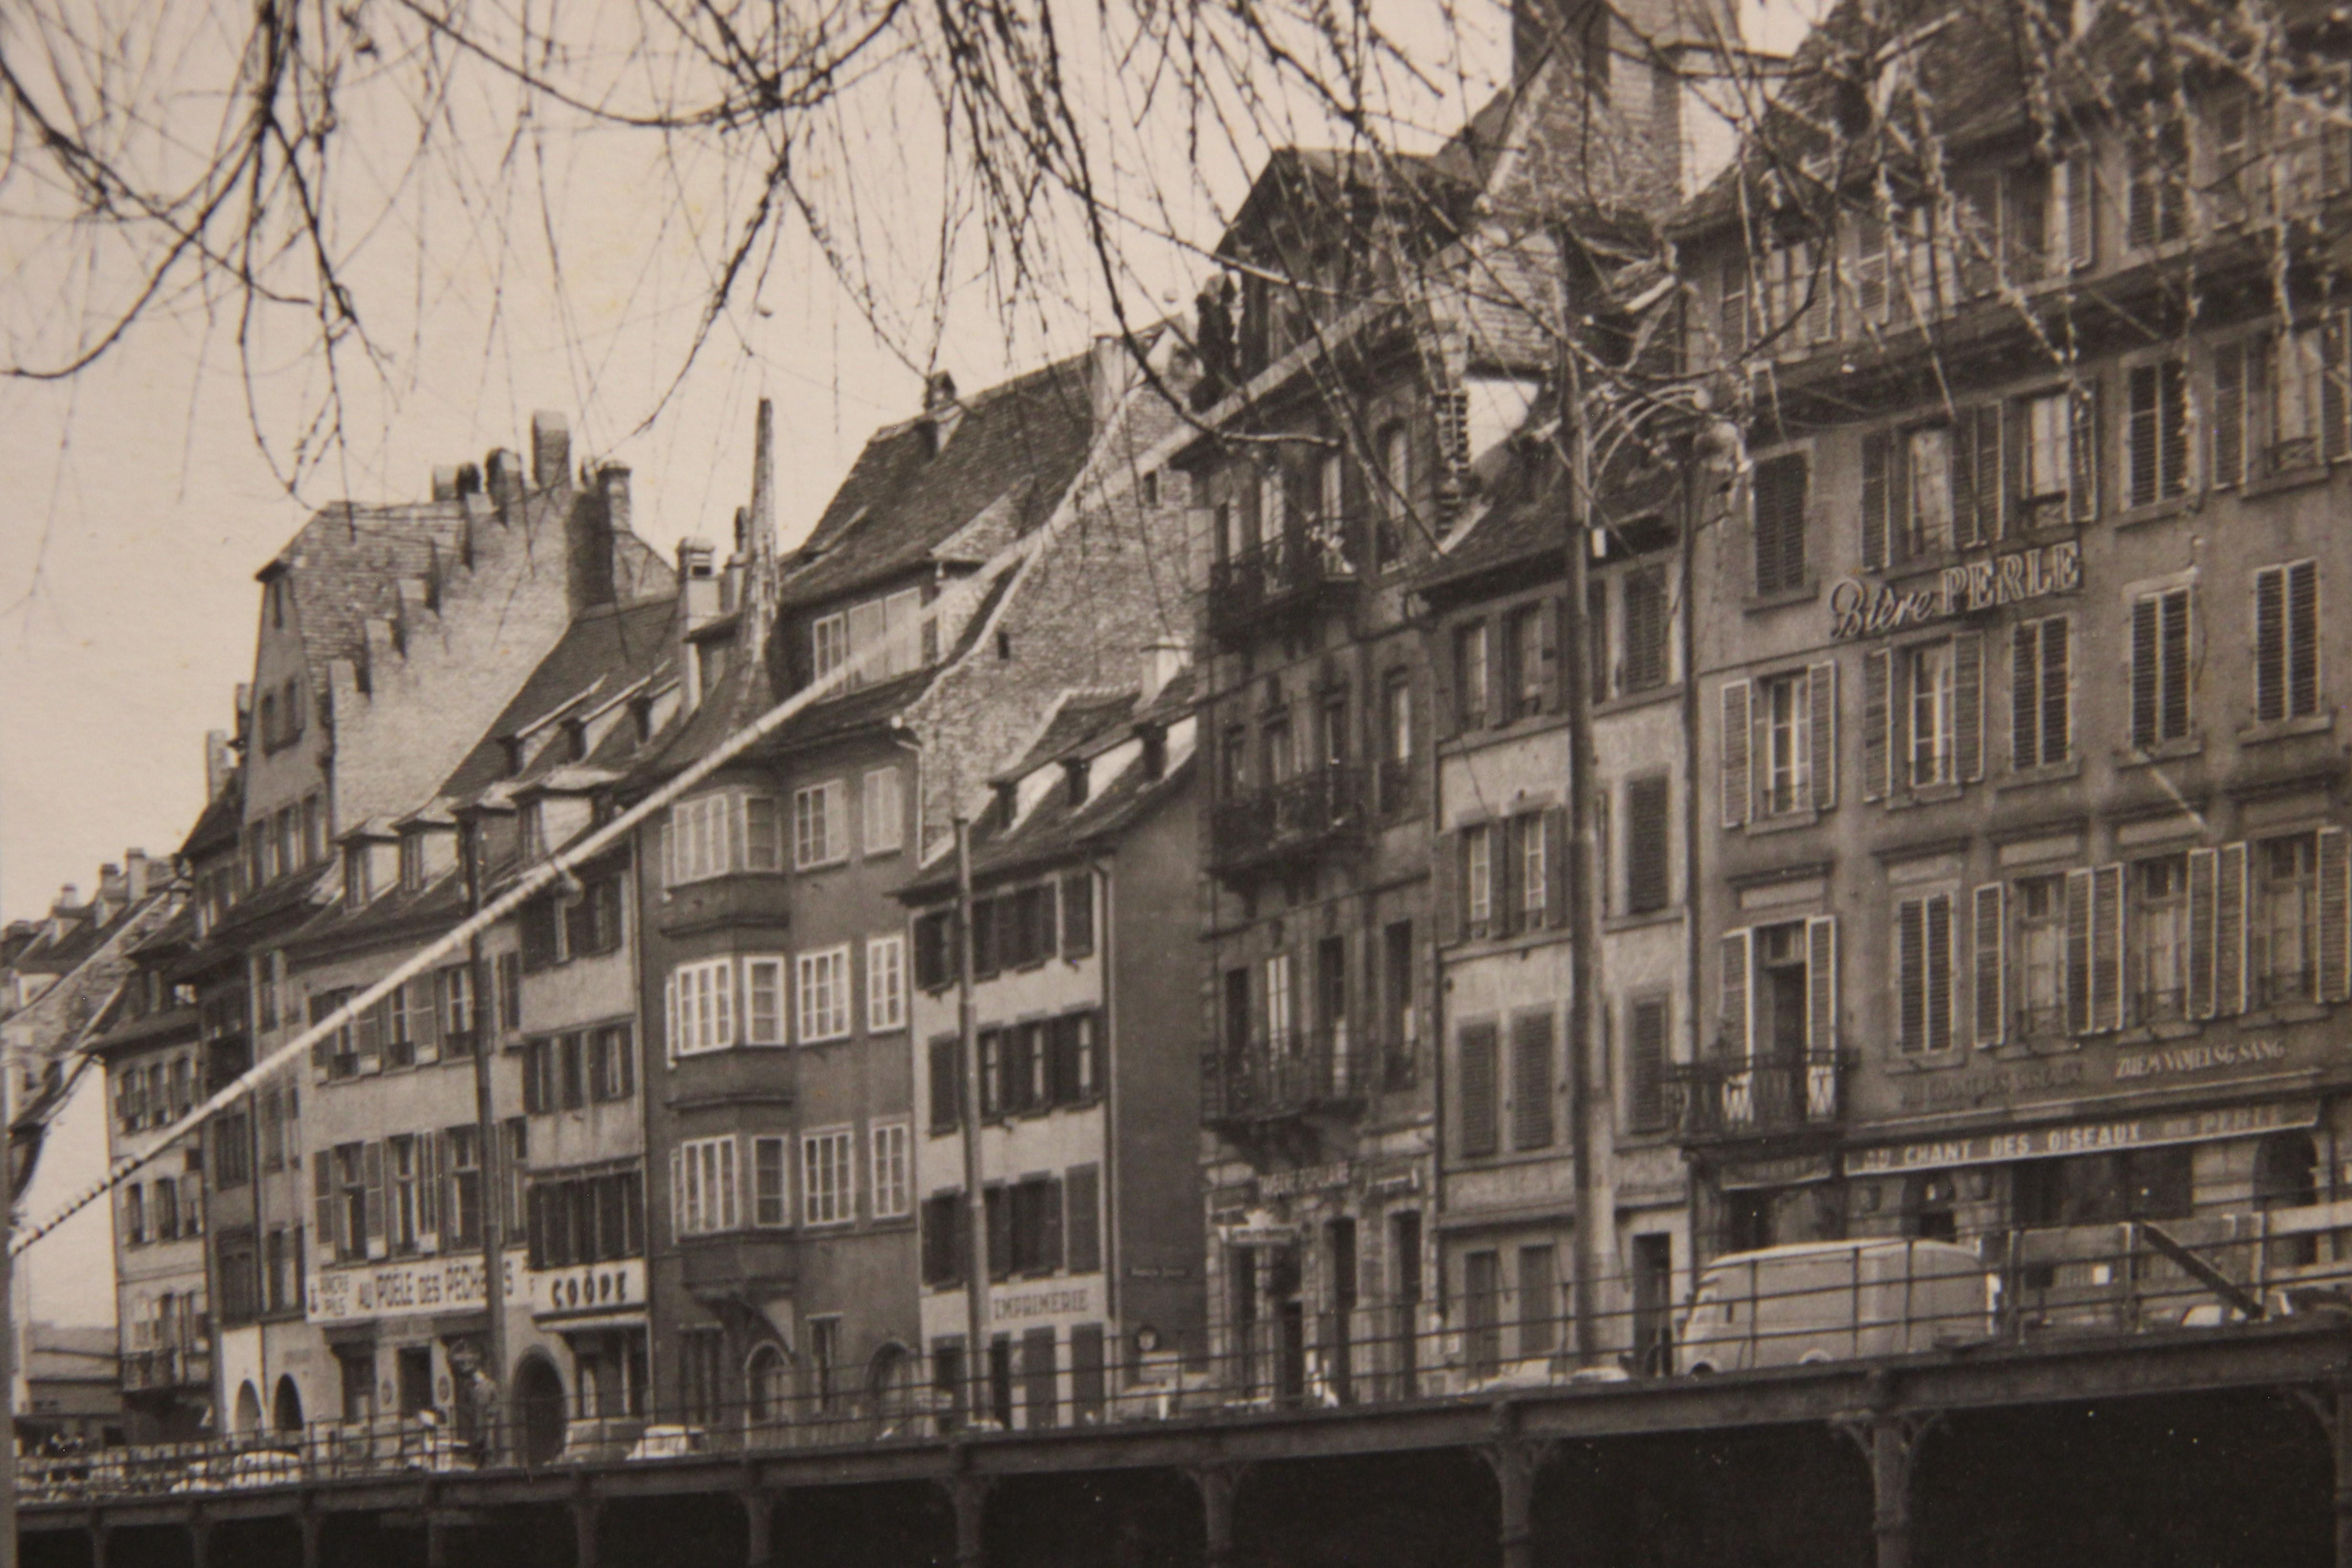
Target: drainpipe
{"points": [[1584, 929], [1694, 950], [975, 1288]]}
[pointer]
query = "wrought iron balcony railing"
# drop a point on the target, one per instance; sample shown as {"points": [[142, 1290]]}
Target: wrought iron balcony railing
{"points": [[1301, 817], [1287, 575], [1729, 1096], [1290, 1074]]}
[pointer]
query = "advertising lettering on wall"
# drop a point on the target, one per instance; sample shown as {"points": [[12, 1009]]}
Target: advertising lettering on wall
{"points": [[2088, 1138], [1859, 609], [613, 1286], [411, 1289]]}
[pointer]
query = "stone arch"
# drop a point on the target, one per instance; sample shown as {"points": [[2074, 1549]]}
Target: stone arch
{"points": [[248, 1409], [286, 1407], [891, 1390], [538, 1409]]}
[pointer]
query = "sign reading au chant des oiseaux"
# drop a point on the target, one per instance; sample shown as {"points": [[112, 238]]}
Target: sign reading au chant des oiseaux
{"points": [[1860, 609]]}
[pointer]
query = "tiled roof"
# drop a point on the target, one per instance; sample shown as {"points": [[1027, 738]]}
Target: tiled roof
{"points": [[347, 563], [1053, 831], [1082, 718], [218, 823], [439, 903], [599, 654], [1025, 441], [119, 1033]]}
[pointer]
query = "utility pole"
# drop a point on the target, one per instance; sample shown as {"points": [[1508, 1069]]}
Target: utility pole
{"points": [[1575, 681], [488, 1163], [975, 1285], [9, 1316]]}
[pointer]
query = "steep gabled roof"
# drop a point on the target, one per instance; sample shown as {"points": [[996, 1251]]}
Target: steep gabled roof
{"points": [[345, 566], [600, 655]]}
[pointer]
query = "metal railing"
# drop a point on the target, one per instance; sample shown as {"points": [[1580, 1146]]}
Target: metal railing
{"points": [[171, 1366], [1323, 808], [1732, 1096], [1288, 1074], [1292, 1348], [1283, 574]]}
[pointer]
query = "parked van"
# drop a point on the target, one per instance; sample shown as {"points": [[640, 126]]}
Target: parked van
{"points": [[1835, 1301]]}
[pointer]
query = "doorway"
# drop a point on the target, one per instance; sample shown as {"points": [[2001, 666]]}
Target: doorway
{"points": [[538, 1409]]}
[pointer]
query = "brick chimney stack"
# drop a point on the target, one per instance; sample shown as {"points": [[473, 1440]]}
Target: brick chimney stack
{"points": [[550, 451], [503, 469]]}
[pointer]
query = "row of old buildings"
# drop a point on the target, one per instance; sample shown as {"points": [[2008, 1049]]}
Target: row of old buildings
{"points": [[1543, 740]]}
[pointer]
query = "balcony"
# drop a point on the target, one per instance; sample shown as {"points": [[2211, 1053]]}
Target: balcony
{"points": [[1297, 818], [1725, 1098], [1290, 1075], [1281, 579], [742, 898], [174, 1366]]}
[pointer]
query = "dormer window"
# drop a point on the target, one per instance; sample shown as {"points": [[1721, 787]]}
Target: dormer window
{"points": [[1155, 751], [1008, 803], [356, 891], [1075, 772], [412, 861], [534, 830], [575, 739]]}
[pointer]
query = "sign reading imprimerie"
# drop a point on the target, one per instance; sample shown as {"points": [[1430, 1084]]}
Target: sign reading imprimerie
{"points": [[1857, 609]]}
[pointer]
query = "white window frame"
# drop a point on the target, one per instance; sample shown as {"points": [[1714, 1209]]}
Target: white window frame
{"points": [[768, 971], [830, 1021], [1281, 1000], [893, 1170], [829, 643], [807, 801], [704, 1183], [883, 829], [701, 1007], [886, 983], [781, 1145], [829, 1177]]}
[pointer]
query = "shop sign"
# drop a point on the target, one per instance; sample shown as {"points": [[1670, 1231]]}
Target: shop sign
{"points": [[610, 1287], [416, 1287], [1860, 609], [1789, 1172], [1055, 1302], [1306, 1178], [2089, 1138], [2163, 1063], [1936, 1091]]}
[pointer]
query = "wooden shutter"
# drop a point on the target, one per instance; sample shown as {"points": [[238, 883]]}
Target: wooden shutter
{"points": [[1911, 974], [1967, 703], [1478, 1089], [1555, 832], [2230, 930], [1648, 834], [1502, 878], [2108, 947], [2079, 185], [2270, 643], [1877, 715], [2335, 916], [2025, 695], [1645, 1067], [1989, 938], [2228, 453], [1082, 1232], [2334, 412], [2145, 720], [1943, 968], [322, 1211], [1531, 1081], [1869, 269], [2082, 452], [1821, 985], [2078, 952], [1822, 706], [428, 1190], [947, 1083], [424, 1017], [1737, 700], [1876, 485], [1735, 952], [372, 1169], [2303, 637], [2200, 933], [1451, 891], [2173, 710], [1976, 476]]}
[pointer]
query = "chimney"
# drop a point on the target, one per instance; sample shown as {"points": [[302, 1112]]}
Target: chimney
{"points": [[218, 760], [1110, 371], [503, 468], [596, 521], [697, 587], [444, 481], [758, 531], [941, 410], [550, 451], [135, 867], [1163, 660], [469, 479]]}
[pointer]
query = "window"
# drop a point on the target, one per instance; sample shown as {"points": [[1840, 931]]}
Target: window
{"points": [[763, 1001], [1394, 511], [1538, 1302], [828, 1180], [771, 1198], [1527, 674], [1930, 707], [1778, 993], [2155, 200], [1037, 1226], [886, 984], [712, 835], [402, 1216], [282, 1270], [945, 1083], [2156, 432], [1082, 1228], [2297, 377], [1779, 524], [135, 1213], [1073, 1066], [885, 812], [1471, 685], [1923, 972], [823, 993], [829, 643], [611, 1064], [463, 1148], [2160, 668], [1786, 755], [510, 987], [1649, 835], [232, 1149], [943, 1227], [592, 922], [1531, 866], [586, 1219], [1480, 1092], [2158, 931], [1396, 740], [1646, 1065], [893, 1173], [2287, 641], [817, 827], [2041, 693], [702, 1186], [454, 987], [935, 949], [2045, 461], [1647, 663], [1479, 878], [2285, 947], [1077, 915], [1482, 1310], [1279, 1016], [2038, 963], [701, 1007]]}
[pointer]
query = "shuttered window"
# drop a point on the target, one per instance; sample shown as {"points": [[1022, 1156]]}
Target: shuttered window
{"points": [[1977, 468], [1531, 1081], [1923, 972], [1734, 962], [2156, 203], [1989, 991], [947, 1084], [1648, 825], [2230, 929], [2041, 693], [2076, 188], [2160, 668], [1082, 1229], [2156, 432], [2287, 641], [1735, 700], [1646, 618], [1645, 1065], [1780, 488], [1479, 1110]]}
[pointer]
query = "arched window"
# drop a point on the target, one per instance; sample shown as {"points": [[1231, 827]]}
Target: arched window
{"points": [[286, 1414], [248, 1410], [766, 1385]]}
